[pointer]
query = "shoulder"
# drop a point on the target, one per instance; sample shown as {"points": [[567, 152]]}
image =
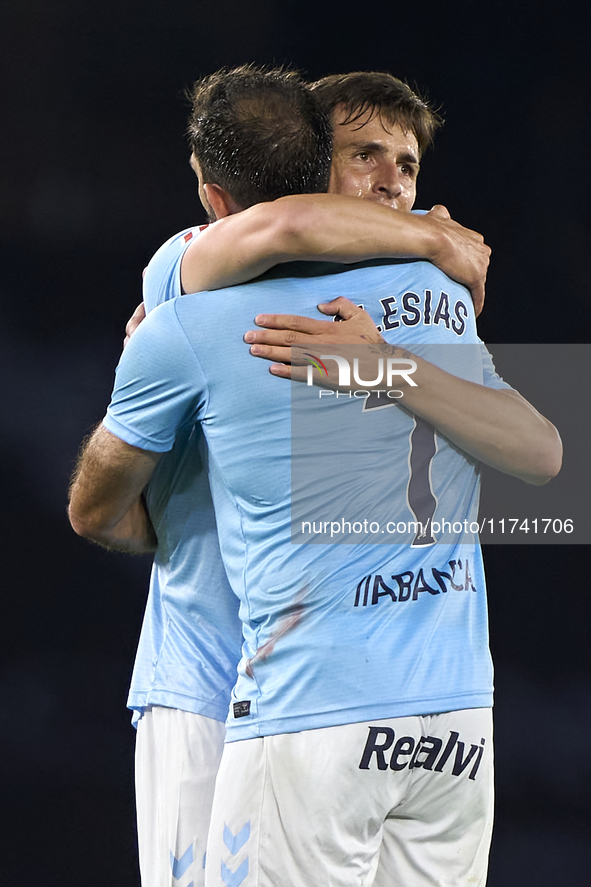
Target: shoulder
{"points": [[178, 243], [162, 275], [158, 369], [158, 332]]}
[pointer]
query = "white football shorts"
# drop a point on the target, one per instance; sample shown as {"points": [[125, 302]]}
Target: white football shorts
{"points": [[402, 802], [176, 763]]}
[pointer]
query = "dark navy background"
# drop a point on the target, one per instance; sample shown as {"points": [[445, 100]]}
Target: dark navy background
{"points": [[94, 177]]}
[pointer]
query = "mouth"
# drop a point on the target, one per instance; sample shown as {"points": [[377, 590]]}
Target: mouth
{"points": [[392, 202]]}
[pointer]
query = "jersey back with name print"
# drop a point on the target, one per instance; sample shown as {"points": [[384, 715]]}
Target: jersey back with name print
{"points": [[334, 633]]}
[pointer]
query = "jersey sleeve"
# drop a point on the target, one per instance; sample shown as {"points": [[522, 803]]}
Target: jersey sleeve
{"points": [[162, 277], [159, 384], [490, 377]]}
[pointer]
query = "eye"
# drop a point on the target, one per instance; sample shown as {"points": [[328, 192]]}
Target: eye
{"points": [[362, 155]]}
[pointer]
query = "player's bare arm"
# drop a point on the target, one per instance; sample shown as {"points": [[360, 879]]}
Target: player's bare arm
{"points": [[497, 427], [330, 227], [106, 503]]}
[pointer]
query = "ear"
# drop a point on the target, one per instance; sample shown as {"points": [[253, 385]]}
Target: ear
{"points": [[222, 203]]}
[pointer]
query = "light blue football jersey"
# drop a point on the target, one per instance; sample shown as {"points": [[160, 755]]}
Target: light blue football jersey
{"points": [[190, 641], [333, 633]]}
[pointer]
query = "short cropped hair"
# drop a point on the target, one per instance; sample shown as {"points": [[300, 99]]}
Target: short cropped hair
{"points": [[260, 134], [362, 93]]}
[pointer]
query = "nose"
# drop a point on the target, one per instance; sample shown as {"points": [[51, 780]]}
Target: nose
{"points": [[387, 180]]}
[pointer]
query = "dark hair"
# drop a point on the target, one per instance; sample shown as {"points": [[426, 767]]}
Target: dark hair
{"points": [[364, 93], [260, 134]]}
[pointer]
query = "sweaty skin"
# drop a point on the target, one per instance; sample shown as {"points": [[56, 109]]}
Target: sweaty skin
{"points": [[374, 162]]}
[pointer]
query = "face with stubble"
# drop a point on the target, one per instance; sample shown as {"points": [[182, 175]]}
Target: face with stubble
{"points": [[374, 162]]}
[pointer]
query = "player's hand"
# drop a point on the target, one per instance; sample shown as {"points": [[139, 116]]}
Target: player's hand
{"points": [[461, 253], [134, 321], [281, 332]]}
